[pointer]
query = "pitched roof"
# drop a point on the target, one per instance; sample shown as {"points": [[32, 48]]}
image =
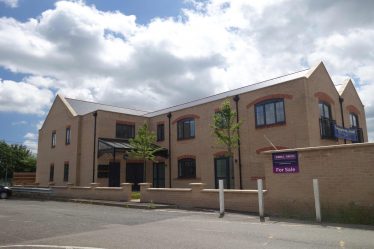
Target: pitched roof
{"points": [[248, 88], [82, 107]]}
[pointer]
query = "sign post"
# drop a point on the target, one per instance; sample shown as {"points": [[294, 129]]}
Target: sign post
{"points": [[221, 199], [260, 199], [316, 200]]}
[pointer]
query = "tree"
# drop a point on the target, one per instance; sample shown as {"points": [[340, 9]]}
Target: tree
{"points": [[143, 146], [15, 158], [226, 129]]}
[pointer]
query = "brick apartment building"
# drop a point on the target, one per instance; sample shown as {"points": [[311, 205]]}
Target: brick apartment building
{"points": [[83, 142]]}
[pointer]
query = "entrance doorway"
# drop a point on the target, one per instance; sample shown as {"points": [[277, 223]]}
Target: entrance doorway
{"points": [[159, 175], [114, 174], [135, 175], [223, 171]]}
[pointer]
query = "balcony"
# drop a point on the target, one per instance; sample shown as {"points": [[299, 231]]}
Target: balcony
{"points": [[360, 135], [327, 128]]}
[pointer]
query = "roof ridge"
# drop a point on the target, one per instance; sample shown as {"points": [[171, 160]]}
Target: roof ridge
{"points": [[92, 102], [229, 90]]}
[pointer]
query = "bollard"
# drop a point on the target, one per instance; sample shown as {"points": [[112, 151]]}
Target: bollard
{"points": [[260, 199], [221, 199], [316, 200]]}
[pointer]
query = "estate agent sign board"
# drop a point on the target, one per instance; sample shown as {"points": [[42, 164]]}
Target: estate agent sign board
{"points": [[345, 133], [285, 162]]}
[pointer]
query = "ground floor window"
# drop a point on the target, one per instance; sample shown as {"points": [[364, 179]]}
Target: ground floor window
{"points": [[187, 168], [51, 172], [66, 172], [225, 172], [159, 175]]}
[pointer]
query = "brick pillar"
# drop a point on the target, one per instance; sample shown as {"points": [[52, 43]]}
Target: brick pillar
{"points": [[144, 191], [127, 189]]}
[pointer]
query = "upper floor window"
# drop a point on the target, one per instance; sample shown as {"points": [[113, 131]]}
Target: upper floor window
{"points": [[160, 132], [270, 112], [53, 139], [324, 110], [67, 135], [186, 128], [125, 131], [66, 171], [187, 168], [326, 122], [353, 118]]}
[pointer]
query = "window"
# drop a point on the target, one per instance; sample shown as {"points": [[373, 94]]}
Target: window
{"points": [[326, 122], [53, 139], [160, 132], [354, 120], [67, 135], [66, 172], [186, 129], [187, 168], [102, 171], [270, 112], [125, 131], [51, 172]]}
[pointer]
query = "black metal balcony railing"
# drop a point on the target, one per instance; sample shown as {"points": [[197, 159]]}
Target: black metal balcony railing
{"points": [[327, 128], [360, 135]]}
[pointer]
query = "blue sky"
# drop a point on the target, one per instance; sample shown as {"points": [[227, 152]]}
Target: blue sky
{"points": [[148, 54]]}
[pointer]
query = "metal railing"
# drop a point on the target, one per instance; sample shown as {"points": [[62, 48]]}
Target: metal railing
{"points": [[327, 128]]}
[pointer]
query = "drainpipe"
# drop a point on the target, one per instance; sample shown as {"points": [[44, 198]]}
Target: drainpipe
{"points": [[94, 148], [236, 99], [169, 117], [341, 112]]}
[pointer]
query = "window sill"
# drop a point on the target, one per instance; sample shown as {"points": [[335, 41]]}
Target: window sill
{"points": [[187, 178], [185, 139], [271, 125]]}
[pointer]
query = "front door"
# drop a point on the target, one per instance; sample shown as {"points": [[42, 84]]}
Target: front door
{"points": [[159, 175], [134, 175], [114, 174], [224, 172]]}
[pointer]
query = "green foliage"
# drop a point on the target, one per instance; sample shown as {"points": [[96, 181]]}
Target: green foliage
{"points": [[15, 158], [135, 195], [225, 127], [143, 144]]}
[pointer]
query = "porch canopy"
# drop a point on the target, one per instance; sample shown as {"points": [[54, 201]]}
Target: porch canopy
{"points": [[117, 145]]}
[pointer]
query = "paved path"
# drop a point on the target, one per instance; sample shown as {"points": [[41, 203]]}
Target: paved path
{"points": [[50, 224]]}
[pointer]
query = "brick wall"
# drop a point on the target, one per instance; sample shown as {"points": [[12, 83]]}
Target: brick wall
{"points": [[198, 197], [345, 174]]}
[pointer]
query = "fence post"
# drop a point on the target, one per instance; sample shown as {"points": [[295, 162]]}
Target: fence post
{"points": [[316, 200], [260, 189], [221, 199]]}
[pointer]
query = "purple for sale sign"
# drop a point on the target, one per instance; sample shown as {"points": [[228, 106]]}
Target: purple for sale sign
{"points": [[285, 162]]}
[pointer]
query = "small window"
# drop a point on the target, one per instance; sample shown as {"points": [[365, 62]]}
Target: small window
{"points": [[160, 132], [186, 129], [270, 112], [326, 122], [53, 139], [187, 168], [66, 172], [103, 171], [67, 135], [125, 131], [51, 172], [354, 120]]}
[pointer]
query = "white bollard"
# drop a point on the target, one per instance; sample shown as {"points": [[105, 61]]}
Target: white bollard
{"points": [[260, 189], [316, 200], [221, 199]]}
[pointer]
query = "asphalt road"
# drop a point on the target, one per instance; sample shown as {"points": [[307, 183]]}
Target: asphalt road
{"points": [[49, 224]]}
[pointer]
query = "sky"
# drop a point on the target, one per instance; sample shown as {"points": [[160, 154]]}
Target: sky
{"points": [[148, 55]]}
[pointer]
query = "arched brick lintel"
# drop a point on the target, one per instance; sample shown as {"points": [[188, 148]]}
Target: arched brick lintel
{"points": [[269, 97], [351, 108], [186, 116], [258, 151], [220, 153], [186, 157], [324, 97]]}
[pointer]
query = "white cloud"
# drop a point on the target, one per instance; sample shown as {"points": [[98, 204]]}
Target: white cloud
{"points": [[31, 142], [10, 3], [22, 122], [218, 45], [23, 98]]}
